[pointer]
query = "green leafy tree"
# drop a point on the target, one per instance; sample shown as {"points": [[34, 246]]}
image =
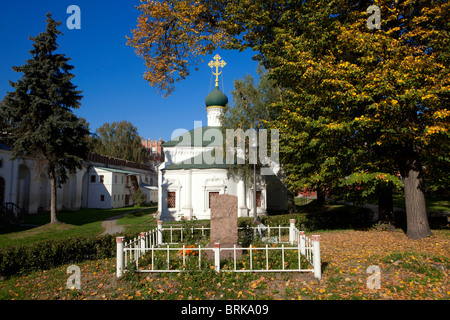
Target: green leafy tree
{"points": [[251, 109], [39, 112], [350, 91], [353, 92], [139, 198], [384, 90], [120, 140]]}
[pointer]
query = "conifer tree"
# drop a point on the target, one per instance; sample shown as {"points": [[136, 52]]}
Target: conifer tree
{"points": [[39, 111]]}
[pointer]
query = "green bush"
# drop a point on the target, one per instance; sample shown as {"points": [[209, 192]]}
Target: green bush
{"points": [[343, 217], [139, 198], [339, 217], [48, 254]]}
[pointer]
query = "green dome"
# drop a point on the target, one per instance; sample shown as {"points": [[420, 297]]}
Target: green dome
{"points": [[216, 98]]}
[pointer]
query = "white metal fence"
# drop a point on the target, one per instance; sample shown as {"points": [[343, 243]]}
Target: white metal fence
{"points": [[299, 254]]}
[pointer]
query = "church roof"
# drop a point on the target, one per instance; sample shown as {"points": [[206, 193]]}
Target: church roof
{"points": [[216, 98], [131, 173], [198, 162], [188, 139]]}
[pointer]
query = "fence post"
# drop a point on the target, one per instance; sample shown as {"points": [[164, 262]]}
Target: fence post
{"points": [[291, 231], [302, 242], [217, 256], [119, 260], [316, 256], [142, 243], [159, 238]]}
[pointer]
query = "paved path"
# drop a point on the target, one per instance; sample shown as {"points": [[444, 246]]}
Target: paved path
{"points": [[111, 226]]}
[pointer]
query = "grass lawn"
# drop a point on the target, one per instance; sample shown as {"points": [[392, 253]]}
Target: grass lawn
{"points": [[409, 269], [434, 203], [415, 270], [73, 223]]}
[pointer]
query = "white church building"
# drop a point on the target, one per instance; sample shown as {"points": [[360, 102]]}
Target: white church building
{"points": [[189, 177]]}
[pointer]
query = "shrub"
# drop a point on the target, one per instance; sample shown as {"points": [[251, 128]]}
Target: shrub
{"points": [[139, 198], [52, 253], [326, 218]]}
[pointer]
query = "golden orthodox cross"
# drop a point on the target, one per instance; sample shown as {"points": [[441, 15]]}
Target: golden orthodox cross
{"points": [[217, 63]]}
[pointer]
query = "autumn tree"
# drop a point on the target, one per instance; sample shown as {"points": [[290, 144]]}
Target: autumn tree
{"points": [[172, 36], [120, 140], [382, 92], [350, 91], [40, 115], [250, 111]]}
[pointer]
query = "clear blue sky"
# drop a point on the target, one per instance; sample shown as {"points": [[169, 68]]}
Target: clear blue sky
{"points": [[107, 70]]}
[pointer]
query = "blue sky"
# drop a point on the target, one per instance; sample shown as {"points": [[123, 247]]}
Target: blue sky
{"points": [[107, 70]]}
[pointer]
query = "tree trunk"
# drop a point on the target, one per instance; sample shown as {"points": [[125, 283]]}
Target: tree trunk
{"points": [[255, 209], [320, 197], [386, 208], [53, 217], [417, 226], [292, 208]]}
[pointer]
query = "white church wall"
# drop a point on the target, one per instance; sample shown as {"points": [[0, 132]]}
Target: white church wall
{"points": [[204, 182], [201, 182], [160, 189], [181, 153], [171, 203]]}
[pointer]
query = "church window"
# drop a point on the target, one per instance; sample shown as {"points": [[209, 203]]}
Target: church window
{"points": [[102, 197], [211, 195], [102, 179], [258, 199], [93, 178], [171, 197]]}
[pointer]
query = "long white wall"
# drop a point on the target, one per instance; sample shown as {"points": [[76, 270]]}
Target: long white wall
{"points": [[26, 183]]}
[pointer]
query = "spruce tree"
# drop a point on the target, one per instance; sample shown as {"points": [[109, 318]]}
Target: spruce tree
{"points": [[39, 110]]}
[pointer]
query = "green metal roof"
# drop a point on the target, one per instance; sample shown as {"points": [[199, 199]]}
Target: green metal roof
{"points": [[216, 98], [189, 139], [117, 170], [198, 162]]}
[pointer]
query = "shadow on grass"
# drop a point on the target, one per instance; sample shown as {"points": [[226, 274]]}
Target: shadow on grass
{"points": [[77, 218], [336, 217], [310, 217]]}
